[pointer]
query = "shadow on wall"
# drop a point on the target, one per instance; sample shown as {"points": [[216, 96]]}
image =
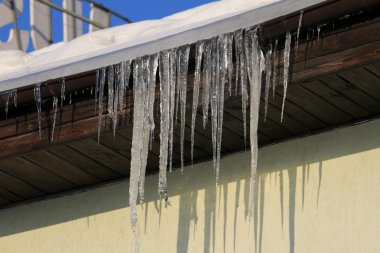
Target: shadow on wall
{"points": [[284, 168]]}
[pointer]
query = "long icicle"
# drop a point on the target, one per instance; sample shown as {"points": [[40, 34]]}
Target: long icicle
{"points": [[165, 104], [254, 66], [197, 79], [223, 50], [139, 94], [172, 85], [183, 59], [286, 70], [214, 97], [149, 71], [244, 88]]}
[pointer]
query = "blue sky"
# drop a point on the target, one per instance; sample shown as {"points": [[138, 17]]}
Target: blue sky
{"points": [[136, 10]]}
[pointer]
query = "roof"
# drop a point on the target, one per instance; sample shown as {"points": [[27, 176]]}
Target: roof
{"points": [[113, 45]]}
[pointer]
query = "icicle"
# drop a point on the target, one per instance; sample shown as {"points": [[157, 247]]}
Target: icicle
{"points": [[255, 65], [11, 94], [318, 31], [102, 80], [183, 64], [275, 67], [153, 65], [207, 81], [124, 74], [165, 119], [243, 86], [149, 77], [197, 79], [214, 97], [139, 95], [55, 107], [238, 48], [268, 70], [14, 97], [172, 85], [71, 99], [63, 90], [111, 96], [299, 28], [97, 84], [230, 65], [37, 98], [286, 70], [223, 50]]}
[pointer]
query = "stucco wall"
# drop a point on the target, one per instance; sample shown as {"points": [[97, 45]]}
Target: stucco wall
{"points": [[316, 194]]}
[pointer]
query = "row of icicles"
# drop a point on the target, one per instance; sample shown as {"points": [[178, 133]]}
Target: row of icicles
{"points": [[214, 67]]}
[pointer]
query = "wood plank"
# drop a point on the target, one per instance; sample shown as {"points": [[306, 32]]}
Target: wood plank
{"points": [[364, 80], [83, 162], [6, 194], [4, 201], [61, 168], [103, 155], [274, 115], [374, 68], [296, 111], [352, 92], [19, 187], [336, 62], [316, 105], [337, 99], [34, 175]]}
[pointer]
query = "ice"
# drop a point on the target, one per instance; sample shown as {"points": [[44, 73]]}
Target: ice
{"points": [[63, 91], [197, 78], [286, 70], [102, 80], [206, 81], [318, 31], [268, 71], [214, 96], [37, 98], [149, 68], [238, 52], [275, 67], [165, 116], [223, 57], [183, 64], [255, 65], [125, 72], [112, 89], [299, 28], [139, 97], [54, 107], [172, 85], [11, 94], [230, 65], [243, 85]]}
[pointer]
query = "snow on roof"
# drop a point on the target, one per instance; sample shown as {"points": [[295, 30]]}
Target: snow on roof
{"points": [[113, 45]]}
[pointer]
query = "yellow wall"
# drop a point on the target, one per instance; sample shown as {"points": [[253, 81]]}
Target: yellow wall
{"points": [[316, 194]]}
